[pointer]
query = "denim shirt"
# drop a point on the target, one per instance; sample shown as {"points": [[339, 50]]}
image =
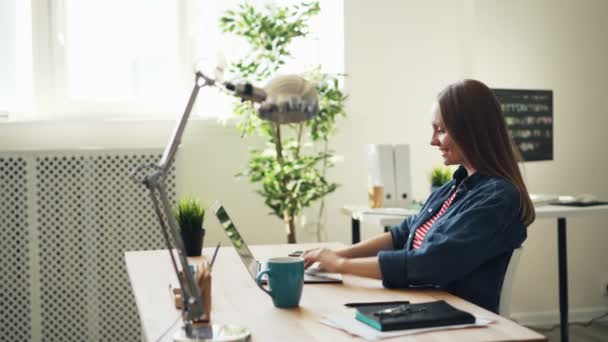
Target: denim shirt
{"points": [[467, 250]]}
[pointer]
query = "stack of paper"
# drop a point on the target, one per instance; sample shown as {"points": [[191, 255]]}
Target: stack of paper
{"points": [[348, 323], [540, 199]]}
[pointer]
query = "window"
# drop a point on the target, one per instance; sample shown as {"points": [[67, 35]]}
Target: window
{"points": [[116, 57], [15, 56], [131, 58], [119, 51]]}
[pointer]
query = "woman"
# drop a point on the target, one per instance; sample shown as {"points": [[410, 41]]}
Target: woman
{"points": [[463, 237]]}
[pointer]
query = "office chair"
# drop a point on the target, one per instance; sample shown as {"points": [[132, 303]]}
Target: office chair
{"points": [[504, 307]]}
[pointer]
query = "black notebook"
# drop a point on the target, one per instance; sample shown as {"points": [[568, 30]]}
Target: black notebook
{"points": [[412, 316]]}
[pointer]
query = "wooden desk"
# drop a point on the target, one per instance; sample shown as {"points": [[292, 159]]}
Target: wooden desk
{"points": [[361, 214], [237, 299]]}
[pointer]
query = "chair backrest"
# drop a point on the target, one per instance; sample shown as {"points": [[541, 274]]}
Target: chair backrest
{"points": [[504, 307]]}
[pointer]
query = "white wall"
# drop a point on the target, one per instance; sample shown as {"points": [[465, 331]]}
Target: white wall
{"points": [[563, 46], [399, 54]]}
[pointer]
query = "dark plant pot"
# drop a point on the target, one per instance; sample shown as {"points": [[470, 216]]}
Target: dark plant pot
{"points": [[193, 241]]}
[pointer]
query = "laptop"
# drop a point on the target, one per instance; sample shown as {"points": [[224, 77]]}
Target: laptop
{"points": [[254, 267]]}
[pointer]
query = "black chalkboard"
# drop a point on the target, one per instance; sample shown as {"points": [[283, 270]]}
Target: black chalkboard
{"points": [[529, 117]]}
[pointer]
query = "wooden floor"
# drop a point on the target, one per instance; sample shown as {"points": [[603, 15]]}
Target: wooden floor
{"points": [[597, 332]]}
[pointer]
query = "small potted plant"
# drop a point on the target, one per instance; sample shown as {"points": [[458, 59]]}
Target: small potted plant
{"points": [[189, 214], [439, 176]]}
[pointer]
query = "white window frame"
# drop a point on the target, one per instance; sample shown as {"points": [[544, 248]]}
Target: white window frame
{"points": [[49, 100], [22, 100], [50, 89]]}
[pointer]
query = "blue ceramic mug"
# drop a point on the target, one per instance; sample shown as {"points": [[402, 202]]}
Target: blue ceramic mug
{"points": [[285, 281]]}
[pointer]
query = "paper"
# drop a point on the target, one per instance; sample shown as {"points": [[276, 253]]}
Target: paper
{"points": [[349, 324], [540, 199]]}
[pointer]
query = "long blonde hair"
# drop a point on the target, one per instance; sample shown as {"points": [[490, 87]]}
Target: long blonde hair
{"points": [[473, 117]]}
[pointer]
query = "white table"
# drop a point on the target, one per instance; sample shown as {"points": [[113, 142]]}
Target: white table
{"points": [[561, 213], [380, 216], [390, 217]]}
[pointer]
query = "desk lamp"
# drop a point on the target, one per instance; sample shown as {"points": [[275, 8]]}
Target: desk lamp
{"points": [[286, 99]]}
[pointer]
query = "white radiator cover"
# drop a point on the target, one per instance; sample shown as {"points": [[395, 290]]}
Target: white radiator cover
{"points": [[66, 219]]}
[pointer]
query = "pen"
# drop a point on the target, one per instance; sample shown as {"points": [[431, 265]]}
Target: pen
{"points": [[354, 305], [217, 248]]}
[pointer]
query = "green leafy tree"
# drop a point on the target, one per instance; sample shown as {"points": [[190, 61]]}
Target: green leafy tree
{"points": [[291, 169]]}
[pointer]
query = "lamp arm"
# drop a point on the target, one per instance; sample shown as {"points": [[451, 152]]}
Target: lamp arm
{"points": [[192, 302], [200, 80], [192, 305]]}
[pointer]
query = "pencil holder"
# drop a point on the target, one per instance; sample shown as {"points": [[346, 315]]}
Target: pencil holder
{"points": [[202, 275], [203, 279]]}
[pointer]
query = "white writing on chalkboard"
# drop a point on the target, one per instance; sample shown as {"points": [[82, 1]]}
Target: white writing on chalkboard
{"points": [[525, 107], [529, 118]]}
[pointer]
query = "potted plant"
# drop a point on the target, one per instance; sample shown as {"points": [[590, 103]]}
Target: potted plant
{"points": [[292, 167], [189, 214], [439, 176]]}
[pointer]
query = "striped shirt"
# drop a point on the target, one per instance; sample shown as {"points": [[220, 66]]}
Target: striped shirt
{"points": [[424, 229]]}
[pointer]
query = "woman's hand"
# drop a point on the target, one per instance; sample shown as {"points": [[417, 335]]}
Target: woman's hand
{"points": [[328, 260]]}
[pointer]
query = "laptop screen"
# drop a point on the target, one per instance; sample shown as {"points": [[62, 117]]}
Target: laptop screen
{"points": [[237, 241]]}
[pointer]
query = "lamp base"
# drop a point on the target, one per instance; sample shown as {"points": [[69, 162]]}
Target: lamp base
{"points": [[213, 333]]}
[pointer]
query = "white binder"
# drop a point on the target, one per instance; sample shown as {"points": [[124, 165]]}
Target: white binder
{"points": [[381, 171], [389, 166], [403, 176]]}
